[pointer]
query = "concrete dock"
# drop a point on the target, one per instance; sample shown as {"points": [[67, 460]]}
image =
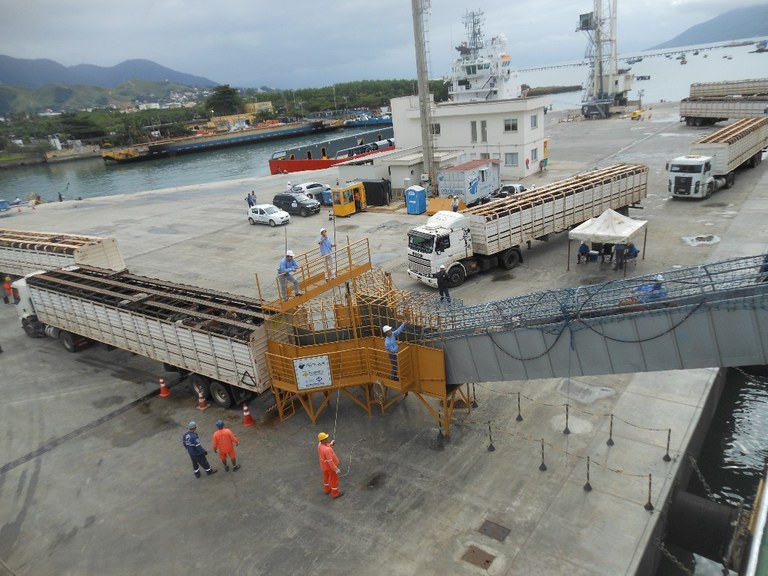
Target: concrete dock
{"points": [[94, 479]]}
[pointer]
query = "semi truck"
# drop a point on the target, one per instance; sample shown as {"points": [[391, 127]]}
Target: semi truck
{"points": [[490, 235], [712, 162], [217, 340], [23, 252]]}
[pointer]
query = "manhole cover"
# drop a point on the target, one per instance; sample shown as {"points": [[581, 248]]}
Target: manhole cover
{"points": [[478, 557], [493, 530]]}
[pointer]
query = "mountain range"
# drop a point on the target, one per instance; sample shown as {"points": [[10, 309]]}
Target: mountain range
{"points": [[740, 23]]}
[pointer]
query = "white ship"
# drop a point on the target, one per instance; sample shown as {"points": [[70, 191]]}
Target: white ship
{"points": [[482, 72]]}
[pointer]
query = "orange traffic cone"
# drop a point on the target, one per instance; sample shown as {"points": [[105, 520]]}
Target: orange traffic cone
{"points": [[201, 403], [247, 419], [164, 390]]}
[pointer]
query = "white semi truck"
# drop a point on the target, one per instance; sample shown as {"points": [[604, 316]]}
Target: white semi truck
{"points": [[483, 237], [712, 162], [23, 252], [219, 340]]}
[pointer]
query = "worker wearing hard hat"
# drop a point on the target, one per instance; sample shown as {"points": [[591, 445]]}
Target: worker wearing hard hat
{"points": [[196, 451], [329, 465], [390, 343], [224, 442], [285, 274], [7, 290]]}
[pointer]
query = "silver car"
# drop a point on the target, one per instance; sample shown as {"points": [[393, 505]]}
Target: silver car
{"points": [[267, 214]]}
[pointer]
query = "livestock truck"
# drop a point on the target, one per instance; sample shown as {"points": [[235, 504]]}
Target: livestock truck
{"points": [[722, 88], [711, 102], [712, 162], [490, 235], [217, 339], [23, 252]]}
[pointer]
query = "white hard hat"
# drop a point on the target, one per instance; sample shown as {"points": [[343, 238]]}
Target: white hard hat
{"points": [[289, 182], [442, 266], [386, 328], [322, 230], [659, 278], [289, 253]]}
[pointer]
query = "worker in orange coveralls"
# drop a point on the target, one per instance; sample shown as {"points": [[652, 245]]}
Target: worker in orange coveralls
{"points": [[224, 442], [329, 464]]}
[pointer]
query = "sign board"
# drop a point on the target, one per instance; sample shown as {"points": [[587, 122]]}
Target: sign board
{"points": [[312, 372]]}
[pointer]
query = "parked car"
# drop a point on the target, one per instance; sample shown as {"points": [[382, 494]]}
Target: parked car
{"points": [[315, 190], [267, 214], [296, 203], [512, 189]]}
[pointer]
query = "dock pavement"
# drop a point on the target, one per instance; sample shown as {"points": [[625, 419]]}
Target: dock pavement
{"points": [[94, 479]]}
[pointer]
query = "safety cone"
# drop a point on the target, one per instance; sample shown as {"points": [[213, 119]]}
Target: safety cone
{"points": [[201, 403], [164, 390], [247, 419]]}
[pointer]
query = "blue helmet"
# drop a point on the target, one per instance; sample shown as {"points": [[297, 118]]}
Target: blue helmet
{"points": [[219, 423]]}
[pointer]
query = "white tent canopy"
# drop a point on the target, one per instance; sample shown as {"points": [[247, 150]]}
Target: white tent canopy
{"points": [[608, 228]]}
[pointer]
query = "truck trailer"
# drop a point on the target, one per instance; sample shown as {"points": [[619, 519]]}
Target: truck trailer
{"points": [[750, 87], [485, 236], [23, 252], [712, 162], [216, 339], [708, 111]]}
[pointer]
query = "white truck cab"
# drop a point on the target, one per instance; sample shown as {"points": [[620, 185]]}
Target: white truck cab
{"points": [[444, 239]]}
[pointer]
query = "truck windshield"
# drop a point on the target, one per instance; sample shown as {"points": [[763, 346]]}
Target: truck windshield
{"points": [[421, 242], [686, 168]]}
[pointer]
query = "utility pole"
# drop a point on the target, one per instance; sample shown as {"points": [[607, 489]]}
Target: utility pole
{"points": [[419, 9]]}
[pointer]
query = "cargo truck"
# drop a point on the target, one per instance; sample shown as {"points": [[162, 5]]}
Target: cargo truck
{"points": [[23, 252], [216, 339], [712, 162], [708, 111], [491, 235]]}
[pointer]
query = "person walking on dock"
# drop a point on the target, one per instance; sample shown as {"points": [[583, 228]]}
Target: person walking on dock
{"points": [[326, 250], [196, 451], [390, 343], [285, 274], [288, 187], [329, 465], [251, 199], [224, 442]]}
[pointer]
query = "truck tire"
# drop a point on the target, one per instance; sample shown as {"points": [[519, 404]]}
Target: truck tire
{"points": [[456, 276], [509, 259], [730, 178], [30, 329], [221, 394], [200, 384], [68, 341]]}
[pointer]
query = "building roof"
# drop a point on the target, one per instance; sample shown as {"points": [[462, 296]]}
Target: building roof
{"points": [[474, 164]]}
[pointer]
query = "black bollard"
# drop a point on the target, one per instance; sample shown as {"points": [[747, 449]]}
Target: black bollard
{"points": [[587, 486], [567, 430], [519, 415], [610, 433], [543, 466], [667, 457], [648, 506], [491, 447]]}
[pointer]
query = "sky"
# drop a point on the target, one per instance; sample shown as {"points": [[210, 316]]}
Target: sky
{"points": [[303, 44]]}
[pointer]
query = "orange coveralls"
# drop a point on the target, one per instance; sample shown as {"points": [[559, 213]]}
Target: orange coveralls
{"points": [[224, 441], [329, 463]]}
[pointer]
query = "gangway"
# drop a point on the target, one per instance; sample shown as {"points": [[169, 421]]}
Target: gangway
{"points": [[705, 316]]}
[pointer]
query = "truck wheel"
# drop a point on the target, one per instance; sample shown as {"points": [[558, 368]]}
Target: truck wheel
{"points": [[30, 329], [730, 179], [68, 341], [221, 394], [456, 276], [200, 384], [509, 259]]}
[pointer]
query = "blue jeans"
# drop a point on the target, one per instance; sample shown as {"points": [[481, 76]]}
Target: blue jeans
{"points": [[285, 278]]}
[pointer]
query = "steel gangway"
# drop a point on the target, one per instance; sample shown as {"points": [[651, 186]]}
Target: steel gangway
{"points": [[715, 314]]}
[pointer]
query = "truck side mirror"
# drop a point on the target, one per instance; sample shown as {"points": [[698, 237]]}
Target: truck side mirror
{"points": [[666, 167]]}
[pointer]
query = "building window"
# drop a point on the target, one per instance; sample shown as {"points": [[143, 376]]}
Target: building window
{"points": [[436, 129], [534, 155], [510, 159], [473, 130], [485, 156], [483, 131], [535, 121], [510, 125]]}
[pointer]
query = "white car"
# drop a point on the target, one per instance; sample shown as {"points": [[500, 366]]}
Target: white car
{"points": [[267, 214], [314, 190]]}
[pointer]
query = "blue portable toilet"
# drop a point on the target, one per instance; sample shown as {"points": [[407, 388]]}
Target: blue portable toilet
{"points": [[416, 200]]}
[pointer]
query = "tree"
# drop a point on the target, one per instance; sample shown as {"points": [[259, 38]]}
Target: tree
{"points": [[224, 100]]}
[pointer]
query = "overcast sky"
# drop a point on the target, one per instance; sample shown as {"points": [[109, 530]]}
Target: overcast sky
{"points": [[302, 43]]}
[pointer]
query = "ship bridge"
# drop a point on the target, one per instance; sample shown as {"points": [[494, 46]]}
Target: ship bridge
{"points": [[706, 316]]}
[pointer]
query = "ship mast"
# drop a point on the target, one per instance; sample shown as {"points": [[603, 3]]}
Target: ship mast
{"points": [[420, 9]]}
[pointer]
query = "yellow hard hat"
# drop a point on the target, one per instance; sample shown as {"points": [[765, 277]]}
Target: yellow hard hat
{"points": [[322, 436]]}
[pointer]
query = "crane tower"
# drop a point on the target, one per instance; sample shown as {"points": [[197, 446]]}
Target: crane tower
{"points": [[606, 85]]}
